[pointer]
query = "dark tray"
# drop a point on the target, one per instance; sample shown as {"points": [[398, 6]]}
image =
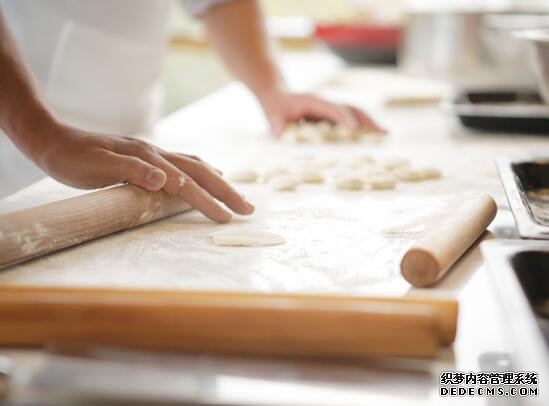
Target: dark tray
{"points": [[526, 184], [519, 270], [508, 111]]}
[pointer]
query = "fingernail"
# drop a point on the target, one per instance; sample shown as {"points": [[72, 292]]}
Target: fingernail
{"points": [[224, 217], [155, 178]]}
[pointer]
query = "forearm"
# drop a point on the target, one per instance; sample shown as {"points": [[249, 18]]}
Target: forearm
{"points": [[22, 112], [237, 30]]}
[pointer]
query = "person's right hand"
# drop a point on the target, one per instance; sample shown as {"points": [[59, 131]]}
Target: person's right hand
{"points": [[89, 160]]}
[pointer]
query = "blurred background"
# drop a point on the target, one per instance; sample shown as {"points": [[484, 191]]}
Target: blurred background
{"points": [[292, 22], [461, 42]]}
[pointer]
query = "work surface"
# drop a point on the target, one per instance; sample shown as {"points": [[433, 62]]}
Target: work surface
{"points": [[337, 242]]}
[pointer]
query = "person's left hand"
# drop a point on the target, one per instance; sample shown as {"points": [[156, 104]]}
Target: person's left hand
{"points": [[283, 108]]}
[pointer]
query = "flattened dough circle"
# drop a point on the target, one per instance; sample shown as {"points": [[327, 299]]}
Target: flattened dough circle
{"points": [[246, 237]]}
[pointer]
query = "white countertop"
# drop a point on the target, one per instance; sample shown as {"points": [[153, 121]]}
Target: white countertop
{"points": [[337, 242]]}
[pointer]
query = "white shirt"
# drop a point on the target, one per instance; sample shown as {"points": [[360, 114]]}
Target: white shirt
{"points": [[98, 62]]}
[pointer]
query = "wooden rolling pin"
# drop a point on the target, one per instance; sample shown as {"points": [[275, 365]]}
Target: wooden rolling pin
{"points": [[227, 323], [50, 227], [435, 253]]}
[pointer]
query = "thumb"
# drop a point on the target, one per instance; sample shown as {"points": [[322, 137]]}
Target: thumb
{"points": [[130, 169], [278, 125]]}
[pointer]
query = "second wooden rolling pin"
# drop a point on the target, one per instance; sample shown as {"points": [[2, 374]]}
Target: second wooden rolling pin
{"points": [[434, 254], [50, 227], [227, 323]]}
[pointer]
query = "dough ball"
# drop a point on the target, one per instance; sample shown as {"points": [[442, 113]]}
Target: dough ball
{"points": [[243, 176], [349, 182], [355, 135], [246, 237], [304, 136], [373, 137], [330, 136], [381, 182], [290, 131], [307, 132], [430, 173], [299, 132], [407, 174], [324, 131], [324, 127], [312, 176], [285, 183], [395, 162], [342, 132]]}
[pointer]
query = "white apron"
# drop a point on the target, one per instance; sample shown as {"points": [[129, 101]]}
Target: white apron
{"points": [[98, 62]]}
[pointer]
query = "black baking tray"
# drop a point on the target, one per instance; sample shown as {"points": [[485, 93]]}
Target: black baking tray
{"points": [[503, 111], [526, 184], [519, 271]]}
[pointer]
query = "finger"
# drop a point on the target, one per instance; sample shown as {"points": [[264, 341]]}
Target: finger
{"points": [[197, 159], [111, 168], [213, 183], [366, 121], [278, 125], [192, 157], [323, 110], [178, 183], [201, 200], [149, 153]]}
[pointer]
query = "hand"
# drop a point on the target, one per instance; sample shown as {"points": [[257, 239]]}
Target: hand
{"points": [[283, 108], [89, 160]]}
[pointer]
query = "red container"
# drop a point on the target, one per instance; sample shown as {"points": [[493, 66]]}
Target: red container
{"points": [[361, 43]]}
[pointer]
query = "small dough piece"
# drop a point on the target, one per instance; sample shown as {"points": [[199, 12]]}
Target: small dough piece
{"points": [[407, 174], [356, 134], [430, 173], [349, 182], [304, 135], [246, 237], [342, 132], [324, 127], [289, 131], [330, 134], [373, 137], [395, 162], [243, 176], [312, 175], [381, 182], [323, 131], [284, 183], [307, 132], [300, 133]]}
